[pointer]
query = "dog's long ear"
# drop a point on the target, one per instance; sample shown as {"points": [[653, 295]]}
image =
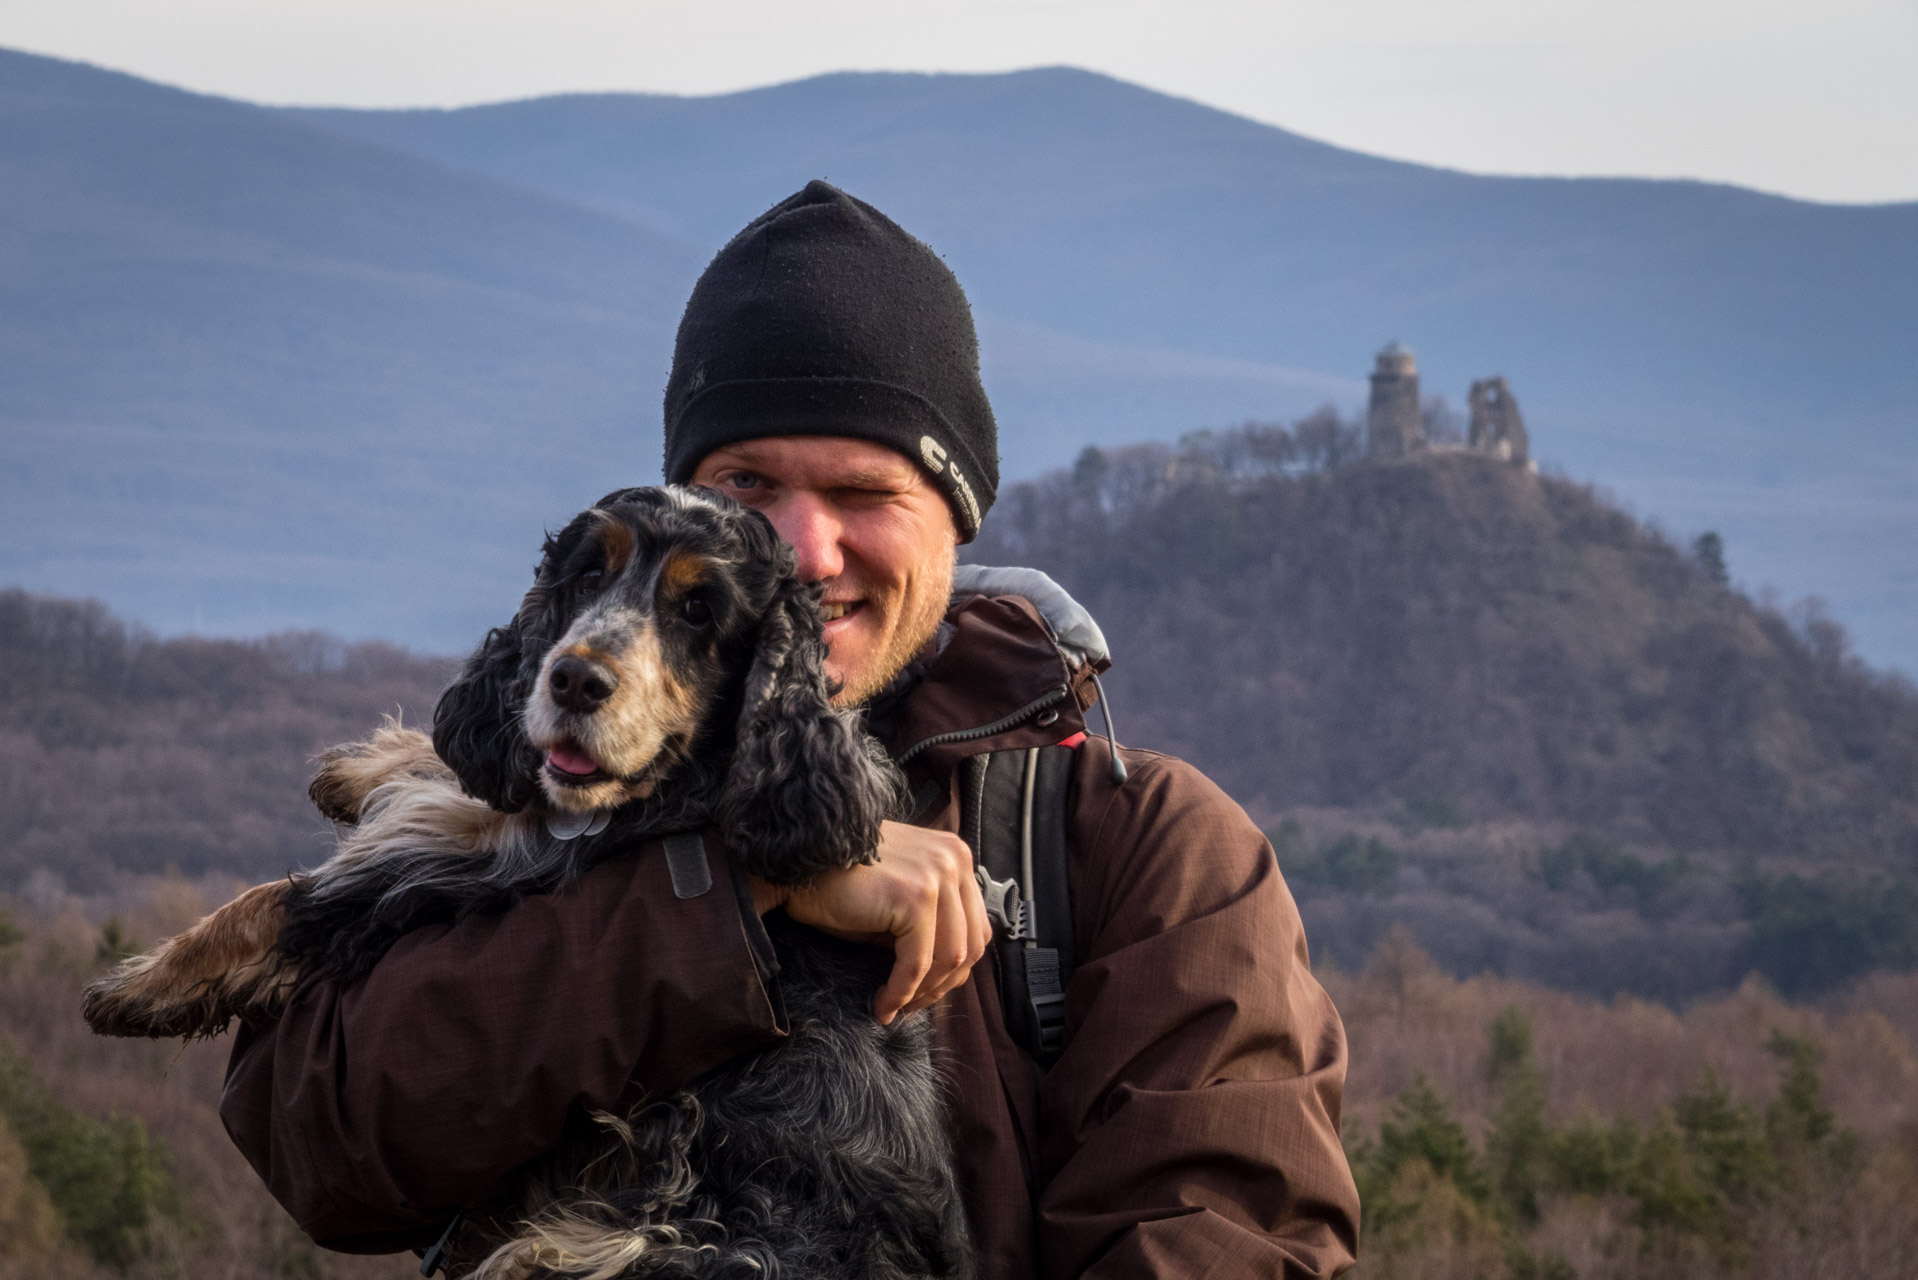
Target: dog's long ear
{"points": [[808, 786], [477, 729], [476, 726]]}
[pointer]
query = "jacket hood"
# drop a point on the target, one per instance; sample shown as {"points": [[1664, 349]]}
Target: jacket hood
{"points": [[1073, 629], [1015, 671]]}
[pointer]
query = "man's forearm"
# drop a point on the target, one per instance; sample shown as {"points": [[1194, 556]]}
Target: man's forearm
{"points": [[918, 896]]}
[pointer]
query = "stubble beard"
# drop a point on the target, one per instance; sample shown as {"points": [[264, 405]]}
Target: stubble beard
{"points": [[927, 597]]}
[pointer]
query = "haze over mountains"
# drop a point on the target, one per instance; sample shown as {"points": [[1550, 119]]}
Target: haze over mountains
{"points": [[270, 368]]}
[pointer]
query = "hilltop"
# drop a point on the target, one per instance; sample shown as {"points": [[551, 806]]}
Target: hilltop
{"points": [[1490, 704], [325, 348]]}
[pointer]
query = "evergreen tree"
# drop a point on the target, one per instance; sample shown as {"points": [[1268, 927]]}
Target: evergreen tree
{"points": [[1726, 1142], [106, 1180], [1797, 1118], [1419, 1126], [1709, 551], [1518, 1144]]}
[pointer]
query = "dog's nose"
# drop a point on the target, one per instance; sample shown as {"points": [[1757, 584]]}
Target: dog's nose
{"points": [[580, 685]]}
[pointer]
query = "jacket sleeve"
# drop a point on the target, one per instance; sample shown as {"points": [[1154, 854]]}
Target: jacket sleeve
{"points": [[1191, 1127], [374, 1111]]}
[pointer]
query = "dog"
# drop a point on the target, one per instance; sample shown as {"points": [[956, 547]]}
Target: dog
{"points": [[663, 674]]}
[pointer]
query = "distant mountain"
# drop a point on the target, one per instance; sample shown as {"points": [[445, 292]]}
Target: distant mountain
{"points": [[259, 374], [1490, 705], [1141, 265], [1145, 264], [1120, 215]]}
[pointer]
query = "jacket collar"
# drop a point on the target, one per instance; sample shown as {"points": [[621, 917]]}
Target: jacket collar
{"points": [[1002, 680]]}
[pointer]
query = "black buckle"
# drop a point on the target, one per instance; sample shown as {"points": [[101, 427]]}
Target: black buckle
{"points": [[1046, 998], [1049, 1016]]}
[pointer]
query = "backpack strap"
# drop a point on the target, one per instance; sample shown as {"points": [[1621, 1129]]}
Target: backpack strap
{"points": [[1013, 811]]}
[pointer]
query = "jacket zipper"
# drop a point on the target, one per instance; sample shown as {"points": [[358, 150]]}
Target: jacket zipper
{"points": [[985, 730]]}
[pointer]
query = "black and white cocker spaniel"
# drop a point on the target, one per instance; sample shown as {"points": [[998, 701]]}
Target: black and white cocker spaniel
{"points": [[663, 675]]}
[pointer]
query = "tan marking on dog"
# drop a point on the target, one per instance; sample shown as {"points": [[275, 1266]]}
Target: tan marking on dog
{"points": [[615, 540], [683, 571], [636, 734], [193, 984], [349, 773], [585, 652], [415, 815], [579, 1244], [402, 792]]}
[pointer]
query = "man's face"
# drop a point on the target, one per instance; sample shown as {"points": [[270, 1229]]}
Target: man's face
{"points": [[865, 521]]}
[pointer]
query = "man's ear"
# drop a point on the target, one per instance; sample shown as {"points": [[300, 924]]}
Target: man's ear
{"points": [[477, 728], [808, 787]]}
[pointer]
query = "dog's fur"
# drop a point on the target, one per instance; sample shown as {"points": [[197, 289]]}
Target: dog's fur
{"points": [[825, 1156]]}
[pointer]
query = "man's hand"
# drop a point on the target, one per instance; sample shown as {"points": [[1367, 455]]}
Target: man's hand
{"points": [[920, 896]]}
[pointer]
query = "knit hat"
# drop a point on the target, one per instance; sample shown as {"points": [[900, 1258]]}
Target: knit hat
{"points": [[824, 318]]}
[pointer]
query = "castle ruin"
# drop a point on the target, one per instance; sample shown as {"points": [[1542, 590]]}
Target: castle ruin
{"points": [[1393, 425], [1395, 421], [1496, 427]]}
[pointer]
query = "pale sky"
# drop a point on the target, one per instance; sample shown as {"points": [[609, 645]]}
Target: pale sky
{"points": [[1813, 98]]}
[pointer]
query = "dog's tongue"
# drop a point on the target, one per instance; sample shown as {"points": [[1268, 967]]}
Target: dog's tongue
{"points": [[571, 760]]}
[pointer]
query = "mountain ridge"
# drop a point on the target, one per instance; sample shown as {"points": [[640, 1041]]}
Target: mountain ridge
{"points": [[279, 365], [1139, 265], [1134, 143]]}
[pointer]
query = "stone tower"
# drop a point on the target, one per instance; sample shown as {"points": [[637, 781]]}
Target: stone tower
{"points": [[1393, 425], [1497, 428]]}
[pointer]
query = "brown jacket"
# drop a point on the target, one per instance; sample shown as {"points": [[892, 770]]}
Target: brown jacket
{"points": [[1191, 1127]]}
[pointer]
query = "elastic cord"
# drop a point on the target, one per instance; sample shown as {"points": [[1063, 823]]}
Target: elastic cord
{"points": [[1112, 735]]}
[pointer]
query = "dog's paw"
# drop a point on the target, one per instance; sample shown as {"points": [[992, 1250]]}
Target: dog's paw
{"points": [[350, 773], [194, 984]]}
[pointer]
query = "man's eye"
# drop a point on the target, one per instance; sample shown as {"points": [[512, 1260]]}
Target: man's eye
{"points": [[743, 480], [696, 611], [590, 581]]}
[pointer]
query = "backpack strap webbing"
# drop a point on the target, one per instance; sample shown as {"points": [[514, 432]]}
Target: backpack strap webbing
{"points": [[1013, 810]]}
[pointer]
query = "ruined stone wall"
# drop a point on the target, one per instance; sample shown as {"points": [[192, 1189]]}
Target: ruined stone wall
{"points": [[1497, 427]]}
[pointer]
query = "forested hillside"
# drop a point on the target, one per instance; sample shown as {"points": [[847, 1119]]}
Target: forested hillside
{"points": [[122, 753], [1491, 704]]}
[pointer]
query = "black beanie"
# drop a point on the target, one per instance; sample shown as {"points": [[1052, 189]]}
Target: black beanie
{"points": [[824, 318]]}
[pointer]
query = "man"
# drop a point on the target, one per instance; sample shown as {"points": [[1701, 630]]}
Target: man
{"points": [[826, 373]]}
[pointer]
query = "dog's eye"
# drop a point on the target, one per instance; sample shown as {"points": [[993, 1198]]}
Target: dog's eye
{"points": [[696, 611], [589, 582]]}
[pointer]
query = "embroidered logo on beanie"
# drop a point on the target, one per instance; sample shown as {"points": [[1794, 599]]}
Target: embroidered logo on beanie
{"points": [[935, 459]]}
